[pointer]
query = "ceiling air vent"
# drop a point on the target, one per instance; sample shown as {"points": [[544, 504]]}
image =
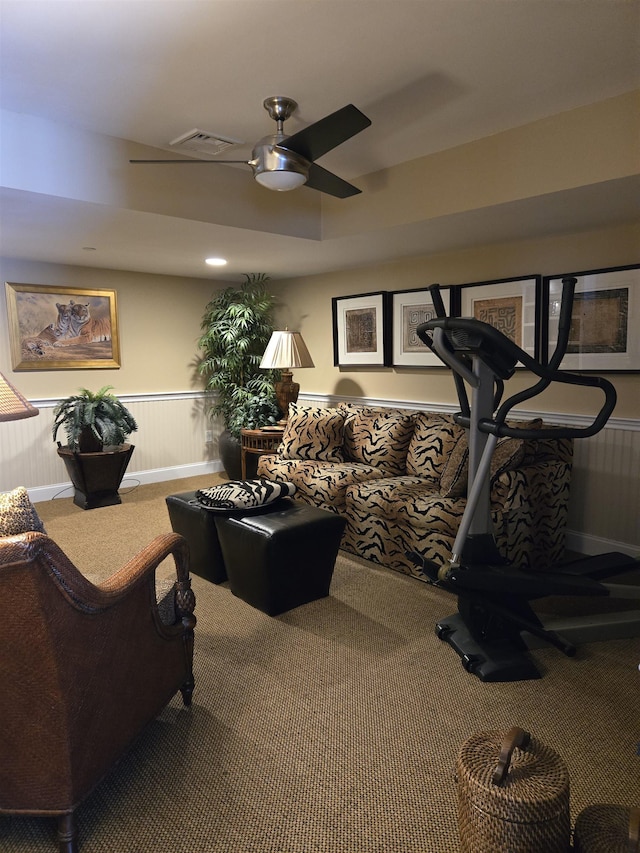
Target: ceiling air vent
{"points": [[202, 142]]}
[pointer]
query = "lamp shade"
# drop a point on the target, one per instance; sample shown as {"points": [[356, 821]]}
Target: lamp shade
{"points": [[286, 350], [13, 406]]}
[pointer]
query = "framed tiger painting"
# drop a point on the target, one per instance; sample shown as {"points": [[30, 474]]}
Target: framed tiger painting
{"points": [[62, 328]]}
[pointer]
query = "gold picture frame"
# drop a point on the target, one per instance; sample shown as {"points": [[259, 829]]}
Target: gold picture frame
{"points": [[62, 328]]}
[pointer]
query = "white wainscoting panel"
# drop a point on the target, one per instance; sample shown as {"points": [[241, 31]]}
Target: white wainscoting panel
{"points": [[171, 442], [605, 491]]}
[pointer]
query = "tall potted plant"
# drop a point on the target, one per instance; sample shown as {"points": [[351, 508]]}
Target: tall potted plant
{"points": [[236, 328], [95, 456]]}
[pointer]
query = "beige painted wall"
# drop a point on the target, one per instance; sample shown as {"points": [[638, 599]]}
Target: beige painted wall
{"points": [[159, 324], [305, 305], [159, 320]]}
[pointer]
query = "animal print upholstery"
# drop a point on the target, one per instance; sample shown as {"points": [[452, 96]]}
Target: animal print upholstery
{"points": [[243, 494], [321, 484], [313, 433], [358, 417], [509, 453], [379, 438], [389, 515], [18, 514], [433, 439]]}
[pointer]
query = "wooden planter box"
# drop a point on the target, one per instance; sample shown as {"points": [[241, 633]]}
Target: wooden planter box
{"points": [[96, 477]]}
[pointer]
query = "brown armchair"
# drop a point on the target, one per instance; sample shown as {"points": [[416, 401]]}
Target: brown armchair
{"points": [[83, 669]]}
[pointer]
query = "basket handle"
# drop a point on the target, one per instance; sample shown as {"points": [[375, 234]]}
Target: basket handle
{"points": [[515, 737]]}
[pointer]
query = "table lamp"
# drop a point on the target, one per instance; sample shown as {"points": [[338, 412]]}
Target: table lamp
{"points": [[285, 351]]}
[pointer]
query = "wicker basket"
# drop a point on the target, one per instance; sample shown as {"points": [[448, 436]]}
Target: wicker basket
{"points": [[513, 795], [607, 829]]}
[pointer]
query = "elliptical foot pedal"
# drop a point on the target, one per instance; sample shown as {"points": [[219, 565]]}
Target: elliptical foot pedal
{"points": [[496, 660]]}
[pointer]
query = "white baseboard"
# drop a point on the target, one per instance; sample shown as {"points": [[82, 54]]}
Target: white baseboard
{"points": [[584, 543], [132, 479]]}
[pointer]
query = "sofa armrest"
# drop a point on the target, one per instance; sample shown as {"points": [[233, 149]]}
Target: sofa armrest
{"points": [[530, 510], [528, 485]]}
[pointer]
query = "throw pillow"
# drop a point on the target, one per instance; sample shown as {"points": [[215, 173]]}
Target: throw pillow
{"points": [[18, 514], [243, 494], [313, 433], [433, 439], [509, 453], [453, 480], [381, 438]]}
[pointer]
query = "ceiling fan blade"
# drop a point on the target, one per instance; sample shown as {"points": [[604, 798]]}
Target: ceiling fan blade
{"points": [[327, 182], [327, 133], [200, 162]]}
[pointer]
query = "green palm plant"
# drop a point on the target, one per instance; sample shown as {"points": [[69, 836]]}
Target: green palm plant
{"points": [[236, 328], [91, 420]]}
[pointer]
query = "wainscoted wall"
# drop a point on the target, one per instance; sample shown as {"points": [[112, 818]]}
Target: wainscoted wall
{"points": [[171, 443], [605, 490]]}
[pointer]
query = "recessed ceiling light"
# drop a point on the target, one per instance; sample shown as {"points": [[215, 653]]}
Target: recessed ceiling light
{"points": [[216, 262]]}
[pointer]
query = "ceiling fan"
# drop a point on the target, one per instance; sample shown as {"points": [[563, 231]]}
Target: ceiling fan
{"points": [[282, 162]]}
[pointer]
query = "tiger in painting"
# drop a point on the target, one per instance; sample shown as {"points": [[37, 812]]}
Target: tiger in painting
{"points": [[83, 328], [34, 346]]}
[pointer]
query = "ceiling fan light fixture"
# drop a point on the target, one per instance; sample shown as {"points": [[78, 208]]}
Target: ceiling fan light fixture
{"points": [[277, 168], [281, 181]]}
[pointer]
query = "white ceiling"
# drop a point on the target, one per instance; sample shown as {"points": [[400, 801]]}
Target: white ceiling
{"points": [[431, 74]]}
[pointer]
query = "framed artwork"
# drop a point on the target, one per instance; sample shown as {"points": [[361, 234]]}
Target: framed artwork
{"points": [[604, 321], [410, 308], [509, 304], [62, 328], [360, 330]]}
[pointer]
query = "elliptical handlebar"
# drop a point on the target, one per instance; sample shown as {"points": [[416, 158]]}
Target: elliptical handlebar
{"points": [[564, 322], [501, 354], [438, 304]]}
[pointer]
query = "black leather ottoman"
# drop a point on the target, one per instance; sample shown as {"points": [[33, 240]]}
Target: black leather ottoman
{"points": [[282, 557], [198, 526]]}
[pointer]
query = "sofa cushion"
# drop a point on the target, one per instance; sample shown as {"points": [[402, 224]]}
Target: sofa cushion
{"points": [[353, 412], [17, 514], [388, 518], [379, 438], [313, 433], [509, 453], [321, 484], [433, 439]]}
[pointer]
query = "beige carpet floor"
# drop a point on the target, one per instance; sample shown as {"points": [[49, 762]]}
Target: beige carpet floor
{"points": [[332, 728]]}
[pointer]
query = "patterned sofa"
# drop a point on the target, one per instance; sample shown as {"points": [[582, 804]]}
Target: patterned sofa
{"points": [[399, 478]]}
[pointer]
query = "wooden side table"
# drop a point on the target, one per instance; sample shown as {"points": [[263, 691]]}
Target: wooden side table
{"points": [[257, 442]]}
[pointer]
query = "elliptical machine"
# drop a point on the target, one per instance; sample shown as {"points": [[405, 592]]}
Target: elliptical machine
{"points": [[494, 609]]}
